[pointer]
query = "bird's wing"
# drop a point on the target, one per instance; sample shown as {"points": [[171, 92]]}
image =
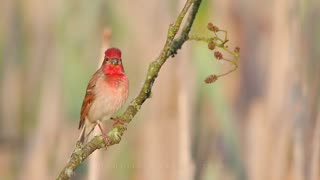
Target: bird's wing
{"points": [[89, 97]]}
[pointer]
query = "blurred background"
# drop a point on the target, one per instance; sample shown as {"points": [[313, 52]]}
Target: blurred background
{"points": [[260, 123]]}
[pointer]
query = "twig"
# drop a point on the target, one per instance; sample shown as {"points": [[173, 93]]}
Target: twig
{"points": [[217, 42]]}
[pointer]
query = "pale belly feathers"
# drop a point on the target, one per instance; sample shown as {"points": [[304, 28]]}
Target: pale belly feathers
{"points": [[108, 99]]}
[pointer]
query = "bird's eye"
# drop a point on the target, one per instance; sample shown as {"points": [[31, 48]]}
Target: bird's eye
{"points": [[106, 59]]}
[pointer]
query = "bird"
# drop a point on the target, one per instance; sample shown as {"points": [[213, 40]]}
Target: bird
{"points": [[106, 92]]}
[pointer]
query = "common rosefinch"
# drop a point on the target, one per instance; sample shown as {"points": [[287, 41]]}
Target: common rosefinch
{"points": [[106, 93]]}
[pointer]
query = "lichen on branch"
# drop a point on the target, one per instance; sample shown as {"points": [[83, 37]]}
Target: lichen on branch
{"points": [[172, 45]]}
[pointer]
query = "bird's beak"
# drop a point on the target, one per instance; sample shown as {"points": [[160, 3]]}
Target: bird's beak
{"points": [[115, 61]]}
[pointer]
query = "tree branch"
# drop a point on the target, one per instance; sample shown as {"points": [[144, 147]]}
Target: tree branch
{"points": [[172, 45]]}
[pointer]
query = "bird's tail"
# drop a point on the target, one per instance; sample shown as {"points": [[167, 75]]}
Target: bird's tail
{"points": [[86, 132]]}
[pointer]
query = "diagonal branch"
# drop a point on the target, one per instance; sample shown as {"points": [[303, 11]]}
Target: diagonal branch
{"points": [[80, 153]]}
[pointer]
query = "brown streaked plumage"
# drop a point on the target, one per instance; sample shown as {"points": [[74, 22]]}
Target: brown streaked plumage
{"points": [[89, 97]]}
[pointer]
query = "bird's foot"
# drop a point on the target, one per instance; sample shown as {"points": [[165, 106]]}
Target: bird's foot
{"points": [[106, 139], [117, 121]]}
